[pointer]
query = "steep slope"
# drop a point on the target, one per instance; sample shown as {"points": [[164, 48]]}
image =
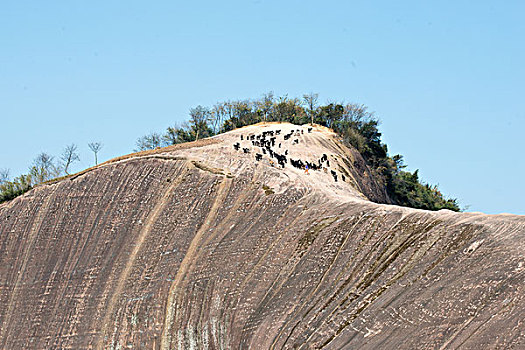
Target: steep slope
{"points": [[201, 246]]}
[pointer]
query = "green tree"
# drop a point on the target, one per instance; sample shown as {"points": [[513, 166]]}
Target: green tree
{"points": [[199, 118], [176, 135], [150, 141]]}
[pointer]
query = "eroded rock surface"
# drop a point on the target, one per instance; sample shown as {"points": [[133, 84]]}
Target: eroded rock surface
{"points": [[203, 247]]}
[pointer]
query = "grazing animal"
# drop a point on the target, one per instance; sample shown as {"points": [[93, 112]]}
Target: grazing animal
{"points": [[296, 141], [309, 130], [286, 152], [242, 138], [258, 156], [328, 163], [343, 177], [334, 174], [237, 146], [246, 150]]}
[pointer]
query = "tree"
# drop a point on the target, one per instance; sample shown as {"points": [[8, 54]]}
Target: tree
{"points": [[4, 175], [331, 114], [150, 141], [44, 169], [310, 101], [199, 118], [288, 110], [218, 112], [95, 147], [265, 105], [13, 189], [175, 135], [69, 156]]}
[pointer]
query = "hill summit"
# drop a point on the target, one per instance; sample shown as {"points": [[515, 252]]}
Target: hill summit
{"points": [[228, 242]]}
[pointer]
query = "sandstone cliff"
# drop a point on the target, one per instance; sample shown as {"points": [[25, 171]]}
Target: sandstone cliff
{"points": [[201, 246]]}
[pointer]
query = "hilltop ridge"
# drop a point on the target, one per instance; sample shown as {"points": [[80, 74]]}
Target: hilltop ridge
{"points": [[200, 245]]}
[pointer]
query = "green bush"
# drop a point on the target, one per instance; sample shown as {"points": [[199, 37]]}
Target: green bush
{"points": [[13, 189]]}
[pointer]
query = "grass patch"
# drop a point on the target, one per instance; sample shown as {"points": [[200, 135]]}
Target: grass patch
{"points": [[267, 190]]}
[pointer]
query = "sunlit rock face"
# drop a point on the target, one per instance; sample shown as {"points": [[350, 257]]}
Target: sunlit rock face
{"points": [[202, 246]]}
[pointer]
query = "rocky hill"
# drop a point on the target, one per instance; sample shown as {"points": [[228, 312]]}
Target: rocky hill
{"points": [[226, 243]]}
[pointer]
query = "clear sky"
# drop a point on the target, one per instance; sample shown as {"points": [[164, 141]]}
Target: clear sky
{"points": [[446, 78]]}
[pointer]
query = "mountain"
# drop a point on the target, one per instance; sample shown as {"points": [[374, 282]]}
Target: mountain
{"points": [[205, 246]]}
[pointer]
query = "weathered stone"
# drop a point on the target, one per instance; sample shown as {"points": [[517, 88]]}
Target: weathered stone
{"points": [[202, 247]]}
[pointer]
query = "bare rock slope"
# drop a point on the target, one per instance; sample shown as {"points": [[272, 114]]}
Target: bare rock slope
{"points": [[218, 244]]}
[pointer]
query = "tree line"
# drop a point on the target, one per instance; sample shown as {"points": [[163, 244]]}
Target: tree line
{"points": [[44, 168], [356, 125]]}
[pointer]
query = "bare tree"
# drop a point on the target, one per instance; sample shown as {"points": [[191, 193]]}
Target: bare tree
{"points": [[44, 168], [95, 147], [310, 100], [150, 141], [69, 156], [218, 112], [265, 105], [4, 175]]}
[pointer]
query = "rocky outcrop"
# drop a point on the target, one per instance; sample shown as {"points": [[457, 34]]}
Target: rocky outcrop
{"points": [[203, 247]]}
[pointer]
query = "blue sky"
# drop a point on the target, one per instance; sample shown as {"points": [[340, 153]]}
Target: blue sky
{"points": [[446, 78]]}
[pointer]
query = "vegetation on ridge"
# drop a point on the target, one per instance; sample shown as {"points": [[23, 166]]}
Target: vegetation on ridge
{"points": [[44, 168], [353, 122]]}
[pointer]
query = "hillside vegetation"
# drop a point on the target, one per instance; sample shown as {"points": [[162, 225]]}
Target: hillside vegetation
{"points": [[353, 122]]}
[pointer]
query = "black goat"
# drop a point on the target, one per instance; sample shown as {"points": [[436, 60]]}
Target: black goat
{"points": [[258, 156], [246, 150], [237, 146], [334, 174]]}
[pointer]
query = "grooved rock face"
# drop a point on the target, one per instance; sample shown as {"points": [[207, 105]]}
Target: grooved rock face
{"points": [[200, 246]]}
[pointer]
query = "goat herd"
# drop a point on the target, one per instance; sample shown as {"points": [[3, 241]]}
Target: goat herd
{"points": [[267, 141]]}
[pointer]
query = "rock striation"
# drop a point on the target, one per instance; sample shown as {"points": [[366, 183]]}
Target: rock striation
{"points": [[222, 244]]}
